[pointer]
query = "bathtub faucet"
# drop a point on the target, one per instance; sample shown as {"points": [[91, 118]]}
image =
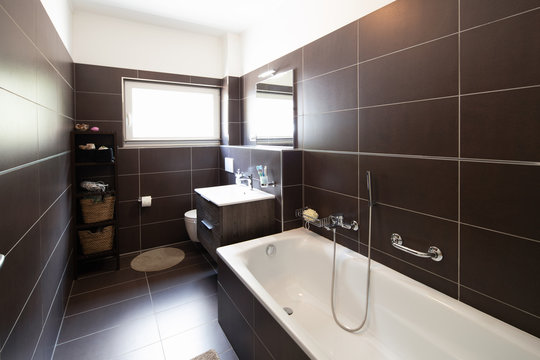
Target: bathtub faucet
{"points": [[337, 221]]}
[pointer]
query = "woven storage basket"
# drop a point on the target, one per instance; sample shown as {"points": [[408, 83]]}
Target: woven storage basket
{"points": [[97, 208], [98, 241]]}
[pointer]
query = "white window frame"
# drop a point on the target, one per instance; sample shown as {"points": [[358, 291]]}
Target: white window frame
{"points": [[128, 84]]}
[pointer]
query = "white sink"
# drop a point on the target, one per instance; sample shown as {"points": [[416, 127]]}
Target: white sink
{"points": [[232, 194]]}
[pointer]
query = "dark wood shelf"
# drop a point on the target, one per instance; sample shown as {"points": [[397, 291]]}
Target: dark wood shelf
{"points": [[94, 170], [95, 225], [82, 194], [96, 163]]}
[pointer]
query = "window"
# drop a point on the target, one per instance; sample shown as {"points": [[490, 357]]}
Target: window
{"points": [[167, 112]]}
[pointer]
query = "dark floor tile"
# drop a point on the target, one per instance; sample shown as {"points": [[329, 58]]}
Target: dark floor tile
{"points": [[104, 280], [418, 128], [331, 52], [501, 197], [405, 23], [153, 352], [196, 341], [339, 129], [184, 293], [98, 319], [501, 55], [113, 342], [192, 258], [331, 92], [106, 296], [187, 316], [477, 12], [508, 314], [428, 186], [501, 125], [335, 172], [481, 270], [423, 72]]}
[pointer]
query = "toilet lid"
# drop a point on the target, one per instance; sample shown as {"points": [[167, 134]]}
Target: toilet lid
{"points": [[192, 214]]}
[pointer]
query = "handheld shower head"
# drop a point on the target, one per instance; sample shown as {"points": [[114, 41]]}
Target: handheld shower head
{"points": [[369, 189]]}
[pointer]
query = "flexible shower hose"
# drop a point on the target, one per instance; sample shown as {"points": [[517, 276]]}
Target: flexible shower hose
{"points": [[359, 327]]}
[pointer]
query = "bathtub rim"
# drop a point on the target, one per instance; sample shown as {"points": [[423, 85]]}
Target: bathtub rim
{"points": [[234, 256]]}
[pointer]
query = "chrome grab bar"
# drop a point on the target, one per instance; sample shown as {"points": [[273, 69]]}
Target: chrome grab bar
{"points": [[434, 253], [2, 258]]}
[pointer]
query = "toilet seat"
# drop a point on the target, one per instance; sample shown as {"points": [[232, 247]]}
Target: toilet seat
{"points": [[191, 214]]}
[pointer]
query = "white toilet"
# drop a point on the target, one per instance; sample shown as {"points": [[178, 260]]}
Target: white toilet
{"points": [[190, 218]]}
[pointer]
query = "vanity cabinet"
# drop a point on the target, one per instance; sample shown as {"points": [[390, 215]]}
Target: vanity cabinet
{"points": [[223, 225]]}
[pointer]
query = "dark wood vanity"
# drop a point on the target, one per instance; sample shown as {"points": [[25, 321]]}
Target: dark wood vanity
{"points": [[223, 225]]}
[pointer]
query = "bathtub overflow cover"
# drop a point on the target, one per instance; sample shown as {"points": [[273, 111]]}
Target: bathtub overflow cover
{"points": [[270, 250], [288, 310]]}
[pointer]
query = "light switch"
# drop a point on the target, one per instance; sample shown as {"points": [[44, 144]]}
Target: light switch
{"points": [[229, 164]]}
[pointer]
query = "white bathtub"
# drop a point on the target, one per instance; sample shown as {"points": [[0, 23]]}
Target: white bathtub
{"points": [[407, 320]]}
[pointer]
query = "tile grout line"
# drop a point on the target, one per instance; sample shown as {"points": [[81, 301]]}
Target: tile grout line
{"points": [[62, 322], [154, 314], [459, 157]]}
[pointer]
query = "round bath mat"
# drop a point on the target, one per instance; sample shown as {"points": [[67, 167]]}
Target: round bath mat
{"points": [[158, 259], [209, 355]]}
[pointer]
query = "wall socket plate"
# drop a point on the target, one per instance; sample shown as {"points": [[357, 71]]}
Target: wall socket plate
{"points": [[229, 164]]}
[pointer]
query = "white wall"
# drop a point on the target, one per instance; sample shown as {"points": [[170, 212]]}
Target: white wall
{"points": [[109, 41], [61, 15], [297, 23]]}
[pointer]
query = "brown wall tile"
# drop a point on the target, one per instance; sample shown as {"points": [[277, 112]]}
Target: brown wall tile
{"points": [[343, 96], [128, 213], [405, 23], [165, 159], [338, 129], [103, 79], [129, 239], [109, 108], [501, 125], [204, 178], [165, 184], [205, 157], [477, 12], [501, 197], [128, 161], [418, 128], [481, 270], [331, 52], [501, 55], [128, 187], [163, 233], [423, 72], [167, 208], [335, 172], [292, 200], [427, 186], [292, 167], [418, 232], [152, 75]]}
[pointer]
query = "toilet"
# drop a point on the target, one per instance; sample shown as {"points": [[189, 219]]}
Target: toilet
{"points": [[190, 218]]}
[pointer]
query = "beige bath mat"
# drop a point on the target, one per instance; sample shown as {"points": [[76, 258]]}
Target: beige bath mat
{"points": [[158, 259], [209, 355]]}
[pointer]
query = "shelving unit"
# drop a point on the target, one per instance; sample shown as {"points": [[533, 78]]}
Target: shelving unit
{"points": [[85, 169]]}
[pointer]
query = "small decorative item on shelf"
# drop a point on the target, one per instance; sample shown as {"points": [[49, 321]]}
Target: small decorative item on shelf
{"points": [[99, 240], [81, 127], [97, 208], [95, 128]]}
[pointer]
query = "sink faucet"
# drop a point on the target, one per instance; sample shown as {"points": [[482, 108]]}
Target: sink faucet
{"points": [[242, 179]]}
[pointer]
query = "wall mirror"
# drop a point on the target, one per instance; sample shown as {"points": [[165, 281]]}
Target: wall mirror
{"points": [[274, 110]]}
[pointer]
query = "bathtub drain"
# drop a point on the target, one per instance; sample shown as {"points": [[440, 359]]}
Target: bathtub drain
{"points": [[288, 310]]}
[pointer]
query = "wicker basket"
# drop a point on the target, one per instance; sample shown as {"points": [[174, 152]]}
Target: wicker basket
{"points": [[98, 241], [97, 208]]}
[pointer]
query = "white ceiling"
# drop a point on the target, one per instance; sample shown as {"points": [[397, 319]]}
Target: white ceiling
{"points": [[214, 17]]}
